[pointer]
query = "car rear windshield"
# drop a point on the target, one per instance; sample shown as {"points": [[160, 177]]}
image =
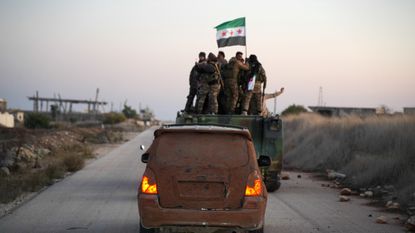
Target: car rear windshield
{"points": [[202, 149]]}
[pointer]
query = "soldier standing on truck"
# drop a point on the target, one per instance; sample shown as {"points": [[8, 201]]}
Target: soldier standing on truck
{"points": [[194, 83], [256, 77], [221, 59], [221, 97], [231, 74], [210, 84]]}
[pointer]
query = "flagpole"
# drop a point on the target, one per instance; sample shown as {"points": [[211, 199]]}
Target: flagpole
{"points": [[246, 44]]}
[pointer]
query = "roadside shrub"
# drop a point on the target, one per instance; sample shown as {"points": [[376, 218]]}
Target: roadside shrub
{"points": [[113, 118], [35, 182], [55, 171], [294, 110], [73, 162], [37, 120], [10, 188]]}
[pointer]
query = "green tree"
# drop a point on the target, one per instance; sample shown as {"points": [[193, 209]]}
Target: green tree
{"points": [[129, 112], [36, 120], [294, 110]]}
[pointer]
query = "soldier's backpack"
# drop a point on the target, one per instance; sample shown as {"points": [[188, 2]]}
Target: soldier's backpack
{"points": [[215, 76], [261, 77], [227, 70]]}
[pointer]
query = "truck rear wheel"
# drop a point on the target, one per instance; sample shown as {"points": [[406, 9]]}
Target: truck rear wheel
{"points": [[273, 182]]}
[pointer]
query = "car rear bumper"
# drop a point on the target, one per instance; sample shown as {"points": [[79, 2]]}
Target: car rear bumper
{"points": [[250, 216]]}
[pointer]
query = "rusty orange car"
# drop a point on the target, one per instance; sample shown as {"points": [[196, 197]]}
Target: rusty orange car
{"points": [[202, 178]]}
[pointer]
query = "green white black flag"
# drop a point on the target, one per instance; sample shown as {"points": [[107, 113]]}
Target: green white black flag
{"points": [[231, 33]]}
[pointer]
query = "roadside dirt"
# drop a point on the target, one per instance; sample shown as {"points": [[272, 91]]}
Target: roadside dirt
{"points": [[306, 203], [98, 151]]}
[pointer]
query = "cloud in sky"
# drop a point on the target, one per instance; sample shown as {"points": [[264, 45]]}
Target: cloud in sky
{"points": [[361, 52]]}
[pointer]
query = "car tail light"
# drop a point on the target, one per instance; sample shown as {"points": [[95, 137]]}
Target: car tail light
{"points": [[254, 185], [148, 183]]}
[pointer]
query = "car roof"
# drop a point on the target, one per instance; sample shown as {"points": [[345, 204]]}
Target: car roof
{"points": [[203, 128]]}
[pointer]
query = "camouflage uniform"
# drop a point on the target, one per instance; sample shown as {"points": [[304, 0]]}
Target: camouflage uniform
{"points": [[193, 83], [209, 86], [231, 74], [214, 90], [256, 92], [221, 97], [265, 112]]}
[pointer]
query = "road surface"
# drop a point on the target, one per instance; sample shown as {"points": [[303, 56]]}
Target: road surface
{"points": [[102, 198]]}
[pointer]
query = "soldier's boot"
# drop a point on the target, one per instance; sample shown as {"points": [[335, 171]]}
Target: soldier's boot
{"points": [[245, 103], [213, 98], [188, 106], [200, 103]]}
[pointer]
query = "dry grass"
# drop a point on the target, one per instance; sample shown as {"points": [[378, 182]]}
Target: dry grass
{"points": [[370, 151], [54, 166]]}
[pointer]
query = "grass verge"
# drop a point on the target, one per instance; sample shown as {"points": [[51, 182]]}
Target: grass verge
{"points": [[53, 167], [374, 151]]}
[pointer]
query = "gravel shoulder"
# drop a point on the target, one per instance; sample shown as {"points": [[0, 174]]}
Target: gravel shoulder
{"points": [[303, 205]]}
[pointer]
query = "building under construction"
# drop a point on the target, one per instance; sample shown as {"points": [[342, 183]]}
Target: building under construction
{"points": [[63, 109]]}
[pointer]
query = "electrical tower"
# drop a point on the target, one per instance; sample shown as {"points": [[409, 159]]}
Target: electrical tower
{"points": [[320, 97]]}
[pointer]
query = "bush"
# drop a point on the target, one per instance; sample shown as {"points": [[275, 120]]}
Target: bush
{"points": [[55, 171], [113, 118], [73, 162], [294, 110], [129, 112], [37, 120]]}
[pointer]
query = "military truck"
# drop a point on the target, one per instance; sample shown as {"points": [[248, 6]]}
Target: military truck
{"points": [[267, 134]]}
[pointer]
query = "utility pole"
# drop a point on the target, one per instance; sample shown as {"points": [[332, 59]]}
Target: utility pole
{"points": [[96, 101], [320, 97]]}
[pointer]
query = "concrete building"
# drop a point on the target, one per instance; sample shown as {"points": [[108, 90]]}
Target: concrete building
{"points": [[6, 120], [409, 111], [343, 111], [18, 116]]}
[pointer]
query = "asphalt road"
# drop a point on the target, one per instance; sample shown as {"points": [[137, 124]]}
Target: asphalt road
{"points": [[102, 198]]}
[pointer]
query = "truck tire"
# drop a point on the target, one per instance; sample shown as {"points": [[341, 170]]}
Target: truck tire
{"points": [[273, 182], [146, 230]]}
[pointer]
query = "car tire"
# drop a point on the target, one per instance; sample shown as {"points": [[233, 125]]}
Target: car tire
{"points": [[146, 230], [261, 230]]}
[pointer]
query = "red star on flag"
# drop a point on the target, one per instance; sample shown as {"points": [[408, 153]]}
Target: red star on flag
{"points": [[239, 31], [231, 33], [223, 33]]}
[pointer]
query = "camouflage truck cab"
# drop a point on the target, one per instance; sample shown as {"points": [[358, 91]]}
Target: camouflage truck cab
{"points": [[267, 134]]}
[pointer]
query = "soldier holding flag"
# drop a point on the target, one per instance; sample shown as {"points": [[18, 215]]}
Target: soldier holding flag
{"points": [[257, 81]]}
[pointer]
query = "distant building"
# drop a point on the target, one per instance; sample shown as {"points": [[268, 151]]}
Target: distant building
{"points": [[409, 111], [343, 111], [18, 116], [3, 105], [6, 120]]}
